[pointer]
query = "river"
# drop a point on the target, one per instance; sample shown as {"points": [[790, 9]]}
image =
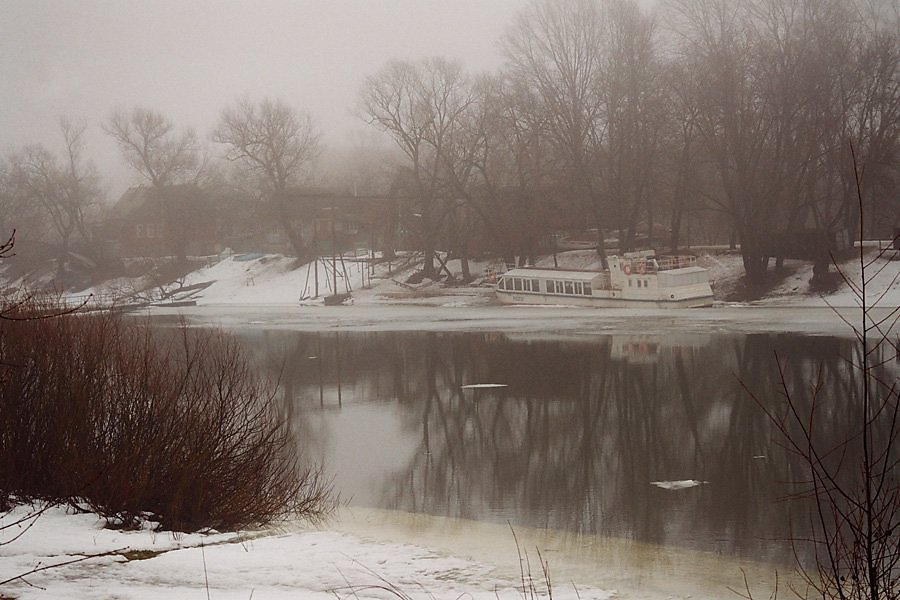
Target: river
{"points": [[621, 437]]}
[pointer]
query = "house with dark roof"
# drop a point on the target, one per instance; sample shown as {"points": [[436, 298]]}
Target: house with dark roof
{"points": [[179, 220]]}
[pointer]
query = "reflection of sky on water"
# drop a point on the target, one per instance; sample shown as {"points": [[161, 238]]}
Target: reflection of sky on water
{"points": [[573, 442], [364, 458]]}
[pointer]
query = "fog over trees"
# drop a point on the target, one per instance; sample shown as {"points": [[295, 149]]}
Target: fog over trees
{"points": [[150, 144], [53, 193], [699, 122], [276, 144]]}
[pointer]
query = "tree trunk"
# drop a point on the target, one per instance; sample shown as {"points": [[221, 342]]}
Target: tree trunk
{"points": [[755, 261], [675, 225], [63, 258], [428, 269], [466, 270], [285, 224]]}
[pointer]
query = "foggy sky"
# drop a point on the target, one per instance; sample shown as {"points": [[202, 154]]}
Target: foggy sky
{"points": [[188, 59]]}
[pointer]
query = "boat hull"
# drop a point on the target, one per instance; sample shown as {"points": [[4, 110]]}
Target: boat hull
{"points": [[610, 301], [635, 281]]}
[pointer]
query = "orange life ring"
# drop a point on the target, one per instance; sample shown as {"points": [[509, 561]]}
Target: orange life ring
{"points": [[641, 268], [627, 268]]}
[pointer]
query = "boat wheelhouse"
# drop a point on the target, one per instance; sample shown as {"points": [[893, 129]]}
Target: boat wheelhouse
{"points": [[634, 279]]}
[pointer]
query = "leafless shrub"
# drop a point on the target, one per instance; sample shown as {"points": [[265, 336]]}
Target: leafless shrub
{"points": [[854, 547], [101, 412]]}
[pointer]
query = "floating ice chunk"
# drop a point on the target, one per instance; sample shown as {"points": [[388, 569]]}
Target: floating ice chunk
{"points": [[677, 485], [473, 386]]}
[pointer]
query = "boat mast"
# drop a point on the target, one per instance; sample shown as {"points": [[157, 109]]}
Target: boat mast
{"points": [[333, 249]]}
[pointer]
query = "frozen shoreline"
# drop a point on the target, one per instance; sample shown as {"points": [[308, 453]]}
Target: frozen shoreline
{"points": [[355, 556], [265, 293], [561, 321]]}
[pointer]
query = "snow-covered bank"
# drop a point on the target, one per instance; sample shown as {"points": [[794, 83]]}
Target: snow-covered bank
{"points": [[299, 563], [270, 280], [362, 552], [271, 292]]}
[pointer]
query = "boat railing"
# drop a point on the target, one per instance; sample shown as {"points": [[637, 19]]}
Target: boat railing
{"points": [[667, 263], [656, 264]]}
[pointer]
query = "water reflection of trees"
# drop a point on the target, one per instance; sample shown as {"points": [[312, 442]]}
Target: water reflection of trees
{"points": [[582, 429]]}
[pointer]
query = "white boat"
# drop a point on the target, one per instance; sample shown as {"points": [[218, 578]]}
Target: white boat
{"points": [[637, 279]]}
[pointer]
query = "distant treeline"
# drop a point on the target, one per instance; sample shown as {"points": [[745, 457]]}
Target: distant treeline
{"points": [[729, 121]]}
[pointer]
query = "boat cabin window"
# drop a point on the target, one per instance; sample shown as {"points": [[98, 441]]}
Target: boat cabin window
{"points": [[568, 287], [502, 283], [586, 288], [535, 285], [577, 285], [517, 284]]}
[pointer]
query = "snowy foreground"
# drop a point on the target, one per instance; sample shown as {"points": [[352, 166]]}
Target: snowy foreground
{"points": [[387, 555], [365, 553]]}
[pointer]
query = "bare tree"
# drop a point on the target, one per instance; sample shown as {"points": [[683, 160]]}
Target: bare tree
{"points": [[64, 190], [500, 163], [784, 85], [680, 147], [555, 49], [82, 178], [593, 67], [874, 115], [421, 105], [634, 117], [150, 144], [854, 483], [277, 144], [737, 123]]}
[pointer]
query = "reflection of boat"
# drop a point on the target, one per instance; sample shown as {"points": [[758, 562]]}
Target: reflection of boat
{"points": [[634, 279], [634, 349]]}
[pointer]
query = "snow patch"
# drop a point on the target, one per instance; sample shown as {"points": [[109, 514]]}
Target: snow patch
{"points": [[475, 386], [681, 484]]}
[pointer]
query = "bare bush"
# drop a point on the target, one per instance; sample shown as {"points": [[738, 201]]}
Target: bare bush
{"points": [[853, 552], [103, 412]]}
